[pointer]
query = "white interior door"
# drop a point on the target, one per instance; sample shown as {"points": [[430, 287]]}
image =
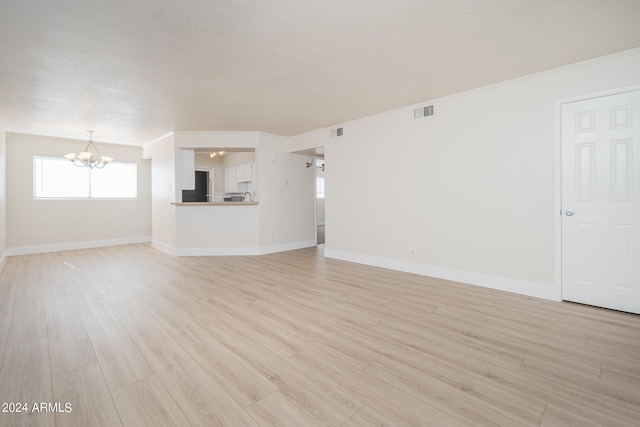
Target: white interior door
{"points": [[601, 201]]}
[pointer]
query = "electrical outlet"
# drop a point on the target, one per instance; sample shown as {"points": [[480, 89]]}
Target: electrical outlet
{"points": [[412, 251]]}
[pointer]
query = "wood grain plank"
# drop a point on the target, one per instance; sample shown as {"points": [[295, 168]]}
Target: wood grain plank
{"points": [[147, 403], [200, 398], [25, 378], [393, 402], [479, 392], [69, 352], [617, 376], [86, 391], [119, 358], [5, 322], [555, 416], [312, 392], [461, 401], [28, 319], [367, 417], [243, 382], [278, 410], [264, 340]]}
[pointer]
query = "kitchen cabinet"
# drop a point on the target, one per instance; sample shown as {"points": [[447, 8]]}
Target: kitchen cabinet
{"points": [[188, 169], [244, 172], [233, 175], [230, 180]]}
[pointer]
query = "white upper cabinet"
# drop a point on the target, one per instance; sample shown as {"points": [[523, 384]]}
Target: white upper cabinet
{"points": [[244, 172], [237, 174], [188, 169], [230, 181]]}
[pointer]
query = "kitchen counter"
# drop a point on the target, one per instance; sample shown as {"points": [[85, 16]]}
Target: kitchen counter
{"points": [[214, 203], [205, 230]]}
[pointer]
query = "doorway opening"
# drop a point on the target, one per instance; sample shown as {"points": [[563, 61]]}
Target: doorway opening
{"points": [[320, 225]]}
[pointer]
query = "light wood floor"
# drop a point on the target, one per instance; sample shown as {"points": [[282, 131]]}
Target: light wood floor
{"points": [[131, 336]]}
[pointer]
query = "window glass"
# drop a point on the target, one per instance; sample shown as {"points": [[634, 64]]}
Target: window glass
{"points": [[116, 180], [59, 178], [54, 178]]}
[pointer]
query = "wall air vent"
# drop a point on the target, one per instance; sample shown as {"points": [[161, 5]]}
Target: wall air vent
{"points": [[336, 132], [421, 112]]}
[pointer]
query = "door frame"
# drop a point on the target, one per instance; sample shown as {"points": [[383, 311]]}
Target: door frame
{"points": [[558, 150]]}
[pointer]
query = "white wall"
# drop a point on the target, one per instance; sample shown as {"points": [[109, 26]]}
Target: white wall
{"points": [[3, 198], [217, 230], [48, 225], [283, 219], [163, 181], [472, 188], [287, 198], [233, 159]]}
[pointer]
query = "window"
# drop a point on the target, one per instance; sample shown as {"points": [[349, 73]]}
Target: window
{"points": [[55, 178]]}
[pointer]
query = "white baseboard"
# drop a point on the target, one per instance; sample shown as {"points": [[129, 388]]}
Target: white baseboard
{"points": [[287, 247], [27, 250], [522, 287], [163, 247], [247, 250], [217, 251]]}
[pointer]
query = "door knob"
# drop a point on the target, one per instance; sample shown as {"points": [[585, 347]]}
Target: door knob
{"points": [[568, 212]]}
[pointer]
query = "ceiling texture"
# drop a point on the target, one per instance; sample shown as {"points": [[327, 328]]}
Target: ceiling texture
{"points": [[134, 70]]}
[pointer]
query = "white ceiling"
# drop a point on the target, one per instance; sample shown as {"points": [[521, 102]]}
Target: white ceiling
{"points": [[134, 70]]}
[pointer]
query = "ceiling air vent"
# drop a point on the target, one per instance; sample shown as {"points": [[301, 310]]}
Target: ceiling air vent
{"points": [[336, 132], [421, 112]]}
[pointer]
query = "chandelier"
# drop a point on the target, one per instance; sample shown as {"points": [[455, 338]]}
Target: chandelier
{"points": [[89, 157]]}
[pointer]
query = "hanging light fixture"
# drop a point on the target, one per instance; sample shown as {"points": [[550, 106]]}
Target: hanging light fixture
{"points": [[90, 157]]}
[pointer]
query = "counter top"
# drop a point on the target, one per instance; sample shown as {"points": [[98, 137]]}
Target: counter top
{"points": [[214, 203]]}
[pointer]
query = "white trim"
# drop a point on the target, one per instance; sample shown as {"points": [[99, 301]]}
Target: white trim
{"points": [[522, 287], [558, 198], [3, 261], [241, 250], [27, 250], [163, 247], [558, 151], [287, 247], [246, 250], [600, 94]]}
